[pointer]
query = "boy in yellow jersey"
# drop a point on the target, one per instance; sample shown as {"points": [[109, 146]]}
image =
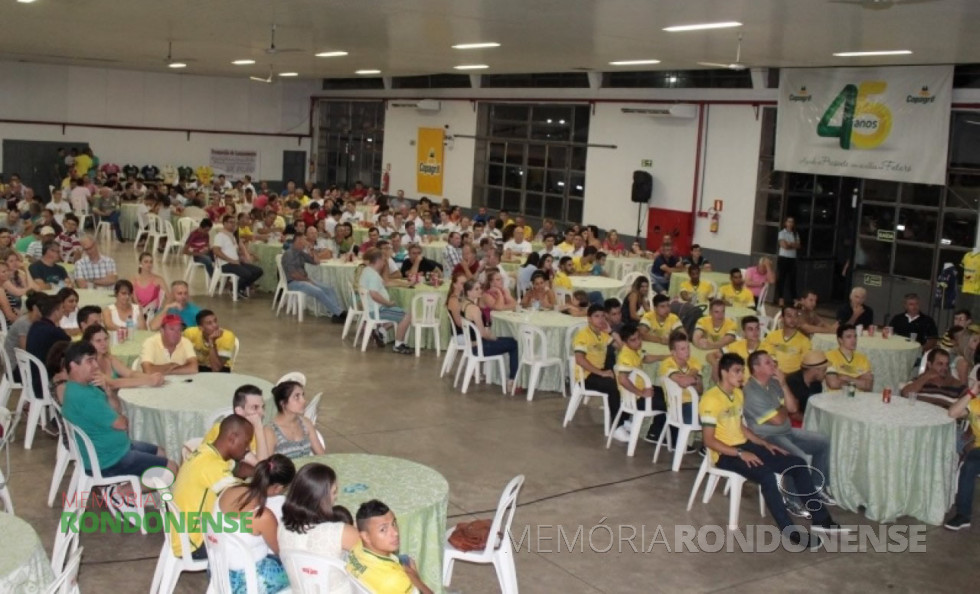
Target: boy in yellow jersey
{"points": [[787, 345], [595, 360], [742, 347], [583, 264], [249, 404], [562, 278], [847, 366], [657, 325], [736, 293], [968, 406], [568, 246], [213, 345], [734, 447], [684, 371], [694, 289], [715, 331], [632, 358], [374, 561]]}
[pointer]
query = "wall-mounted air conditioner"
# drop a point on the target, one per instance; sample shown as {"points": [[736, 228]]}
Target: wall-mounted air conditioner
{"points": [[422, 105], [679, 110]]}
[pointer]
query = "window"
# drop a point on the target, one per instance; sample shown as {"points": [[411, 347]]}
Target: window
{"points": [[532, 159], [350, 142]]}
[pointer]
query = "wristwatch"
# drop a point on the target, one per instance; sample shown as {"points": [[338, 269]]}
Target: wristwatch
{"points": [[738, 452]]}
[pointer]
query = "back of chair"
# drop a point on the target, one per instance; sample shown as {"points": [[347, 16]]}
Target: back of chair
{"points": [[425, 307], [371, 309], [8, 367], [167, 230], [182, 536], [570, 333], [630, 277], [473, 336], [67, 581], [533, 342], [628, 399], [185, 225], [153, 223], [923, 363], [313, 574], [504, 516], [675, 401], [355, 301], [27, 361], [234, 352], [563, 296], [216, 416], [221, 548], [311, 408], [763, 295], [777, 320], [282, 271]]}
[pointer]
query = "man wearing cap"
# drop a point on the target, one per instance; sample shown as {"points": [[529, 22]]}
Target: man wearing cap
{"points": [[169, 352], [181, 306], [34, 250], [94, 269], [787, 344], [46, 272], [808, 379]]}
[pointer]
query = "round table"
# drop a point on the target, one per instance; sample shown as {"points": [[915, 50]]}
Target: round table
{"points": [[265, 258], [716, 278], [97, 297], [360, 235], [434, 250], [554, 325], [336, 274], [895, 459], [128, 351], [616, 266], [609, 287], [24, 567], [892, 359], [178, 410], [417, 494], [402, 296], [128, 219]]}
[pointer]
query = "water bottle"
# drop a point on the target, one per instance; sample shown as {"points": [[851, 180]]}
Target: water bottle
{"points": [[130, 328]]}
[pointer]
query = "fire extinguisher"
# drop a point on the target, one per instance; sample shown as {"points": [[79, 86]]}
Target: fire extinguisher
{"points": [[386, 179], [715, 218]]}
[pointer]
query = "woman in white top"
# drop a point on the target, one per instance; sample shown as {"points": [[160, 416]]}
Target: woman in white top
{"points": [[309, 522], [123, 310], [263, 498]]}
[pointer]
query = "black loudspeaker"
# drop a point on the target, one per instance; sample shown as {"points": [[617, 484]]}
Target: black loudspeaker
{"points": [[642, 186]]}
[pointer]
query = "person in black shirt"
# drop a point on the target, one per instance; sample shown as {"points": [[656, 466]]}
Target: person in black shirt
{"points": [[808, 380], [915, 322], [44, 334], [856, 312], [417, 264]]}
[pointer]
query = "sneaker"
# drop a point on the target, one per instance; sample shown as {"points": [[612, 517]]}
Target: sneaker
{"points": [[650, 437], [403, 349], [703, 451], [957, 522], [811, 541], [829, 526], [796, 509], [621, 434], [379, 338], [336, 319], [243, 295], [825, 498]]}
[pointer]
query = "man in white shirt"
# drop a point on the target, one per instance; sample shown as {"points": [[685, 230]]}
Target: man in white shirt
{"points": [[453, 254], [411, 236], [372, 282], [517, 248], [247, 184], [233, 260], [333, 219], [398, 201], [59, 207], [492, 260], [550, 249], [93, 269], [351, 215], [223, 184]]}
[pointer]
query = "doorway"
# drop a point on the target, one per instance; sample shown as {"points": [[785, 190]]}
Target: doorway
{"points": [[35, 162], [350, 142]]}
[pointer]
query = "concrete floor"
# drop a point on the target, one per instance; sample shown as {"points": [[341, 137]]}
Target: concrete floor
{"points": [[382, 403]]}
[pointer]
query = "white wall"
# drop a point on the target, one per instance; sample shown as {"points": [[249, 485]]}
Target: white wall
{"points": [[401, 132], [77, 95]]}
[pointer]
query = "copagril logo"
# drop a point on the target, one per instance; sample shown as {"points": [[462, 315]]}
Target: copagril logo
{"points": [[430, 166], [803, 96], [923, 96]]}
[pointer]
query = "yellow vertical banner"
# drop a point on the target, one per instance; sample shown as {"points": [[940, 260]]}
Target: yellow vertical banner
{"points": [[429, 168]]}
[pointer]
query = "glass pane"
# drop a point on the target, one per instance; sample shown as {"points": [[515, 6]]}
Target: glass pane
{"points": [[575, 211], [765, 240], [556, 181], [514, 177], [921, 194], [535, 180], [507, 130], [825, 210], [959, 229], [557, 157], [535, 155], [964, 146], [821, 241], [576, 184], [512, 201], [880, 191], [509, 111], [799, 207], [799, 182], [553, 207], [873, 255], [874, 217], [917, 225], [826, 185], [582, 117], [552, 114], [578, 158], [493, 198], [497, 151], [774, 207], [495, 175], [952, 256], [533, 204], [769, 179], [515, 153], [963, 192], [914, 261], [553, 132]]}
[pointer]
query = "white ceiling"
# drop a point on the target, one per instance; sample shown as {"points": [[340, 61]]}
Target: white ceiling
{"points": [[408, 37]]}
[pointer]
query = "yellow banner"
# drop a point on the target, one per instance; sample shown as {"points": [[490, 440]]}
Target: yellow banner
{"points": [[429, 168]]}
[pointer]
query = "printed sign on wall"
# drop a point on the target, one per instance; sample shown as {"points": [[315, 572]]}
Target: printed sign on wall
{"points": [[879, 123], [234, 164], [429, 164]]}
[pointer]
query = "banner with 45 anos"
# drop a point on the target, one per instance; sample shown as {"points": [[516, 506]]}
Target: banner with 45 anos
{"points": [[879, 123]]}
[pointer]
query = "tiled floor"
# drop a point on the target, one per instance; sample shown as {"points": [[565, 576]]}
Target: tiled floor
{"points": [[383, 403]]}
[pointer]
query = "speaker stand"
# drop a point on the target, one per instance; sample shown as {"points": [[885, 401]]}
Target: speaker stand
{"points": [[639, 222]]}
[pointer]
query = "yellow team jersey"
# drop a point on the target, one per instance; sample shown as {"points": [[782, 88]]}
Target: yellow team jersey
{"points": [[627, 361], [660, 329], [741, 348], [743, 298], [705, 290], [562, 281], [971, 273], [225, 345], [581, 267], [593, 345], [380, 573], [973, 415], [856, 366], [706, 325], [723, 412], [669, 366], [202, 477], [788, 352]]}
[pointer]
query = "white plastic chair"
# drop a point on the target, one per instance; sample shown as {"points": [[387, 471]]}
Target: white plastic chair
{"points": [[153, 230], [563, 296], [8, 424], [630, 277], [185, 225], [568, 347], [763, 296], [103, 230], [354, 314], [7, 384], [628, 405], [62, 459], [499, 550], [534, 353], [455, 346], [169, 567], [371, 318], [137, 364], [425, 307], [170, 237], [67, 580], [314, 574], [189, 273], [579, 394], [311, 408], [295, 301], [473, 360], [84, 215], [626, 269], [733, 489], [218, 280], [924, 362], [39, 408], [221, 548], [776, 321], [675, 418]]}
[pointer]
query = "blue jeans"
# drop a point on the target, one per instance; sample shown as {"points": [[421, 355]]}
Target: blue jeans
{"points": [[324, 295], [113, 218], [967, 483], [504, 345], [807, 443], [207, 262], [140, 457], [660, 284]]}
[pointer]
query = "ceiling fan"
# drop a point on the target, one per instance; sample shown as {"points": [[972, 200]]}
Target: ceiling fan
{"points": [[736, 65], [173, 62], [273, 50], [880, 4], [267, 79]]}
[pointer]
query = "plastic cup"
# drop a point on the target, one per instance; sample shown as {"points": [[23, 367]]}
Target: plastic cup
{"points": [[860, 330], [886, 332], [913, 396], [912, 337], [871, 330]]}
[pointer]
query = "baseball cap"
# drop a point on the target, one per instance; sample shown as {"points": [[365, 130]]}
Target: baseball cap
{"points": [[172, 319]]}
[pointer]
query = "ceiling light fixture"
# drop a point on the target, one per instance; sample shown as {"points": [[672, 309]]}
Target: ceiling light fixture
{"points": [[482, 45], [471, 67], [702, 26], [289, 74], [367, 71], [633, 62], [177, 65], [874, 53], [243, 62], [330, 54], [26, 1]]}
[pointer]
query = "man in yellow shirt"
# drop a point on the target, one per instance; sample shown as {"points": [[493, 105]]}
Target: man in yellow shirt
{"points": [[632, 358], [582, 265], [562, 279], [695, 290], [374, 560], [567, 247], [595, 360], [657, 325], [967, 406], [214, 346], [715, 331], [206, 473], [735, 292], [685, 371], [787, 345], [249, 404], [743, 347], [847, 366], [734, 447]]}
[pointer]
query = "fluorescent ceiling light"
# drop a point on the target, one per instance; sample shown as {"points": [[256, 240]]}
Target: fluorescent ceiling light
{"points": [[26, 1], [702, 26], [243, 62], [483, 45], [289, 74], [471, 67], [367, 71], [880, 53], [177, 65], [330, 54], [633, 62]]}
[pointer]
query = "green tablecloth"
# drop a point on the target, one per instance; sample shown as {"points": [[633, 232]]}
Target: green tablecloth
{"points": [[510, 268], [360, 235], [24, 567], [129, 350], [554, 325], [417, 494], [335, 274], [265, 258], [98, 297], [892, 359], [366, 209], [177, 411], [403, 296], [434, 250], [615, 266], [609, 287], [128, 220], [894, 459], [717, 279]]}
